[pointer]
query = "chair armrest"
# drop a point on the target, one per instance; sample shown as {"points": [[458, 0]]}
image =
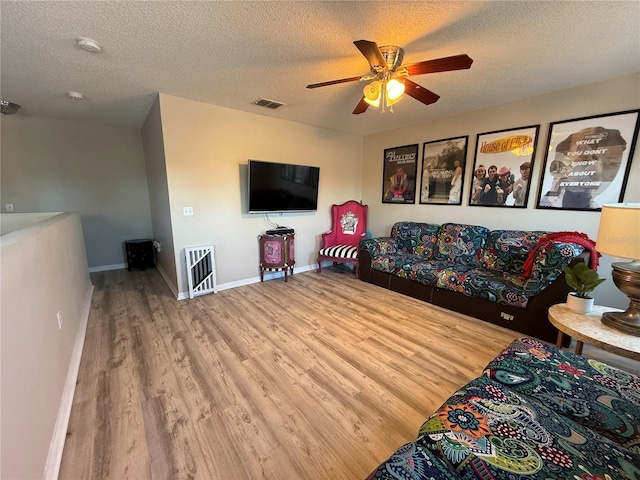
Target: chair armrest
{"points": [[379, 246], [550, 262], [327, 239]]}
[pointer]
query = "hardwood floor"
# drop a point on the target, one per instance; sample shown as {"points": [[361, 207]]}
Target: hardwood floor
{"points": [[321, 377]]}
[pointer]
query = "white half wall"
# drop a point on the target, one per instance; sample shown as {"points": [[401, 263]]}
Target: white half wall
{"points": [[44, 271]]}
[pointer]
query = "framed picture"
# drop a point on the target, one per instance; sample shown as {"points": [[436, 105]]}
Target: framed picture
{"points": [[587, 161], [443, 163], [399, 174], [502, 167]]}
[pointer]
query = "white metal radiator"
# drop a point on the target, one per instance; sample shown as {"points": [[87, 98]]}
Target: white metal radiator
{"points": [[201, 270]]}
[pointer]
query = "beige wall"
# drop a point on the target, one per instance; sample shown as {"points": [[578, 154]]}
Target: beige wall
{"points": [[207, 148], [153, 141], [600, 98], [44, 270], [95, 170]]}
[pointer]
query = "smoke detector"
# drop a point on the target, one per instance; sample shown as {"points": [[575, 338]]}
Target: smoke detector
{"points": [[75, 95], [89, 45], [9, 108]]}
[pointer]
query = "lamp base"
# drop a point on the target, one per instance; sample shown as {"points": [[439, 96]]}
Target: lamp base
{"points": [[626, 276], [624, 321]]}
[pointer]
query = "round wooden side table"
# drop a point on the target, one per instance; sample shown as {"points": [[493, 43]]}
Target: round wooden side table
{"points": [[588, 328]]}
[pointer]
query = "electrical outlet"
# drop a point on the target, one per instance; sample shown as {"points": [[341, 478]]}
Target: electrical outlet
{"points": [[59, 315], [8, 207], [187, 211]]}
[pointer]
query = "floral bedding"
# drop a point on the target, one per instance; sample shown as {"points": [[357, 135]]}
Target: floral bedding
{"points": [[536, 413]]}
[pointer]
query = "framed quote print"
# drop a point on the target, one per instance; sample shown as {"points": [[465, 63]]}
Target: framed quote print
{"points": [[587, 161], [443, 163], [502, 167], [399, 174]]}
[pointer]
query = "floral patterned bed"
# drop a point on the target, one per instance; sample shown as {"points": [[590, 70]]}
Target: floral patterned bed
{"points": [[537, 412]]}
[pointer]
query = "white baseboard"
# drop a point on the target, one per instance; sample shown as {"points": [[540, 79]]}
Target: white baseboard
{"points": [[248, 281], [105, 268], [54, 457]]}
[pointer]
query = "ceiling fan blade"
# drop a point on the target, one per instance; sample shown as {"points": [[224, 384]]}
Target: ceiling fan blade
{"points": [[372, 53], [361, 107], [445, 64], [334, 82], [419, 93]]}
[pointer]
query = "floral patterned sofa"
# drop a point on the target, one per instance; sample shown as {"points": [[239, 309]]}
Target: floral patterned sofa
{"points": [[473, 270], [536, 413]]}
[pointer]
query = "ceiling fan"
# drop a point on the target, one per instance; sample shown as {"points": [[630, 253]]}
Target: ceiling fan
{"points": [[389, 76]]}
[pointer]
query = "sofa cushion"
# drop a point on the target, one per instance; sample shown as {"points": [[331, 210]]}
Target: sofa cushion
{"points": [[486, 430], [460, 243], [507, 250], [492, 285], [591, 393], [414, 267], [416, 238]]}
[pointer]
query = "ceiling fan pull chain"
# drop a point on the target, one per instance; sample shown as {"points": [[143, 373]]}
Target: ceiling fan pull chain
{"points": [[383, 95]]}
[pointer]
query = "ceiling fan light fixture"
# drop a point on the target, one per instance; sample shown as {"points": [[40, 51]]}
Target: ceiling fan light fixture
{"points": [[372, 93], [395, 90]]}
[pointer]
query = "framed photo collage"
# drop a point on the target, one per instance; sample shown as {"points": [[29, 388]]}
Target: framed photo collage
{"points": [[586, 163]]}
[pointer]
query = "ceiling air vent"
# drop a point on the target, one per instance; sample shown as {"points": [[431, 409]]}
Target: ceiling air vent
{"points": [[265, 102]]}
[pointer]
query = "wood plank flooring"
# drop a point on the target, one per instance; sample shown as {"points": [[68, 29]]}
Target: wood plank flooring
{"points": [[321, 377]]}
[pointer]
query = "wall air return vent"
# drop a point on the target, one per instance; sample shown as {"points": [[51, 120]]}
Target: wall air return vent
{"points": [[265, 102], [201, 270]]}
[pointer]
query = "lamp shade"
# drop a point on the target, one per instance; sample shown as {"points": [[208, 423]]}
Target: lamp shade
{"points": [[395, 89], [619, 231], [372, 93]]}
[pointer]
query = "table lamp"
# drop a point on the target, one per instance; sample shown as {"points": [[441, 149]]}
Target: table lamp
{"points": [[619, 236]]}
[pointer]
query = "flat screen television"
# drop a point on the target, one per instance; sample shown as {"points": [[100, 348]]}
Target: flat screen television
{"points": [[282, 187]]}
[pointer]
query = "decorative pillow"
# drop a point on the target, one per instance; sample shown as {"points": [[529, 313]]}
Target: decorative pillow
{"points": [[461, 243], [416, 238], [507, 250]]}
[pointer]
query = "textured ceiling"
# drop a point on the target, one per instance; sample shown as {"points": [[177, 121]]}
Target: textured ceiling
{"points": [[231, 53]]}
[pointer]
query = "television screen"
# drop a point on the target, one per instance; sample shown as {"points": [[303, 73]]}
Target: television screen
{"points": [[280, 187]]}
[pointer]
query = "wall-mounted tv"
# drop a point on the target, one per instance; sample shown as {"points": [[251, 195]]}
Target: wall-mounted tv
{"points": [[282, 187]]}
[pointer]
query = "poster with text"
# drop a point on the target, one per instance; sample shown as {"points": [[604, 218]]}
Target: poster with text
{"points": [[399, 174], [443, 164], [502, 167], [587, 161]]}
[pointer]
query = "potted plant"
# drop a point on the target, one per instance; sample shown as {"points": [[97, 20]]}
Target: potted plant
{"points": [[583, 281]]}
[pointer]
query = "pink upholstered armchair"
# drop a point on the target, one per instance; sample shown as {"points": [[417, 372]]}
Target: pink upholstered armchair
{"points": [[349, 226]]}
